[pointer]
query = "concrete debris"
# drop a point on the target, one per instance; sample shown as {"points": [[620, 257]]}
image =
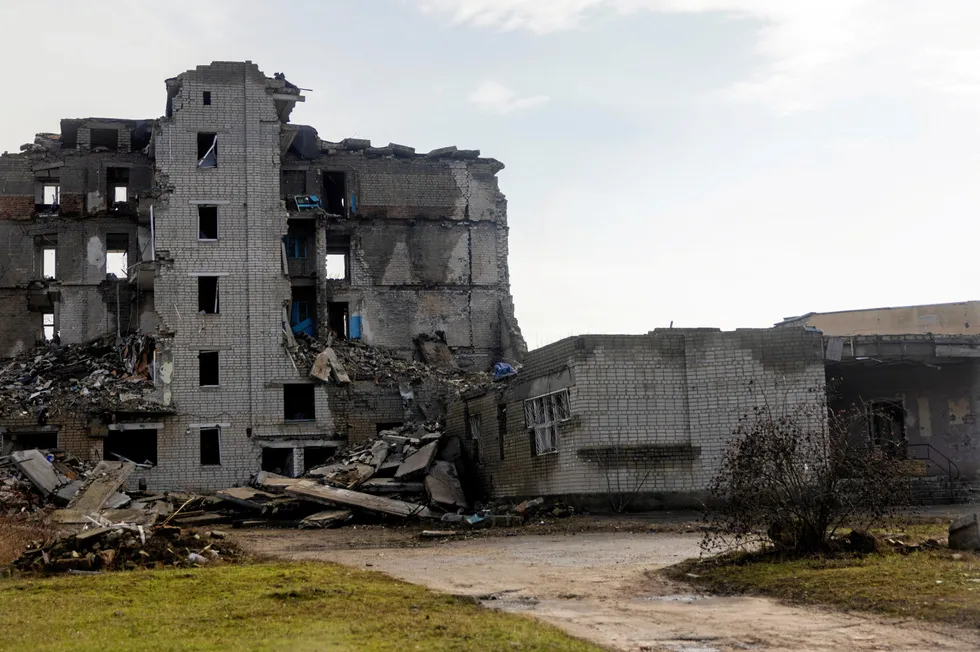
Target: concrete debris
{"points": [[310, 490], [97, 377], [356, 361], [38, 469], [101, 486], [125, 546], [964, 533], [325, 519]]}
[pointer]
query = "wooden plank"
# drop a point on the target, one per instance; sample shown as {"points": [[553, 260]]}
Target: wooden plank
{"points": [[318, 493], [418, 462], [38, 470], [103, 482], [203, 519], [443, 485]]}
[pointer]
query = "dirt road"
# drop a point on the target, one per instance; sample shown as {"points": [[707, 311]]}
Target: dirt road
{"points": [[601, 586]]}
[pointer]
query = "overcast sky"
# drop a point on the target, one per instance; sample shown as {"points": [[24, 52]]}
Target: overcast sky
{"points": [[707, 162]]}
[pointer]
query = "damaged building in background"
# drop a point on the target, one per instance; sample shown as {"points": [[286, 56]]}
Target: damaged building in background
{"points": [[212, 246]]}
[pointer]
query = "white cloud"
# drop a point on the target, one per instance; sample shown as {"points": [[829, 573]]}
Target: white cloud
{"points": [[497, 98], [816, 51]]}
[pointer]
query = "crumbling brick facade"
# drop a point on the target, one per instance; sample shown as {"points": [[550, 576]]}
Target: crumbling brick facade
{"points": [[649, 417], [224, 266]]}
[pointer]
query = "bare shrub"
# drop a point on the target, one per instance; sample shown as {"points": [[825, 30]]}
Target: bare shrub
{"points": [[793, 478], [18, 531]]}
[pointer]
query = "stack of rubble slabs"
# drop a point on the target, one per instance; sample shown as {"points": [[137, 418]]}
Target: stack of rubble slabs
{"points": [[404, 473]]}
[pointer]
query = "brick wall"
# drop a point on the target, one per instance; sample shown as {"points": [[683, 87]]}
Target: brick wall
{"points": [[652, 415]]}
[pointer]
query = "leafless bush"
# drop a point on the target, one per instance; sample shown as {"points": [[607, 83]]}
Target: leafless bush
{"points": [[793, 478], [16, 532]]}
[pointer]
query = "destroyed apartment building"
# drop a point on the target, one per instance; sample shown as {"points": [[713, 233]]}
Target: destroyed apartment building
{"points": [[186, 274]]}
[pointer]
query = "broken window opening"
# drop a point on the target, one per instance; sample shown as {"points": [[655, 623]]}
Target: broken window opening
{"points": [[138, 446], [335, 192], [50, 196], [296, 247], [210, 446], [338, 318], [302, 316], [117, 183], [299, 402], [108, 138], [886, 424], [207, 369], [117, 254], [206, 98], [47, 326], [338, 257], [278, 460], [25, 441], [207, 222], [207, 150], [207, 295], [49, 260], [314, 456], [542, 414]]}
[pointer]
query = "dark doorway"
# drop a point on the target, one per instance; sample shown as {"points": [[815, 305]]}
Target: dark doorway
{"points": [[338, 318], [335, 193], [886, 424], [138, 446], [278, 460], [314, 456]]}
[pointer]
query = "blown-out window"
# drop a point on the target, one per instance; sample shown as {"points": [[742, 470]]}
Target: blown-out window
{"points": [[542, 414]]}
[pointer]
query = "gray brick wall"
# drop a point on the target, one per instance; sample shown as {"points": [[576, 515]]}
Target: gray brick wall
{"points": [[651, 414]]}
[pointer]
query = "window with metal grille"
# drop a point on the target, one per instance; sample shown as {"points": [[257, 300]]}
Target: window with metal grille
{"points": [[542, 414]]}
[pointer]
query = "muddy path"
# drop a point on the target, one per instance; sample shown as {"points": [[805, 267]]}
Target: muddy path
{"points": [[604, 587]]}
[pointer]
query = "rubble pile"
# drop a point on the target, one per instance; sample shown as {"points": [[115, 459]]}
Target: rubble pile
{"points": [[122, 546], [384, 367], [19, 495], [94, 377]]}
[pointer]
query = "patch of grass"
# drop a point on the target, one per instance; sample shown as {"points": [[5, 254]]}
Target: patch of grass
{"points": [[279, 606], [926, 585]]}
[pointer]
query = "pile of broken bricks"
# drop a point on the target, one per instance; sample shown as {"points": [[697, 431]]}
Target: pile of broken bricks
{"points": [[93, 377]]}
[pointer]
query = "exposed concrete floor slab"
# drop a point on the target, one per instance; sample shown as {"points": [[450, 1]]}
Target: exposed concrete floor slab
{"points": [[601, 586]]}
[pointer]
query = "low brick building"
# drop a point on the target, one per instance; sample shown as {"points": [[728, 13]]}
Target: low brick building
{"points": [[605, 420]]}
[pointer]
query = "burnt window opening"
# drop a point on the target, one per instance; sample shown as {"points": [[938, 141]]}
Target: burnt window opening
{"points": [[108, 138], [278, 460], [335, 192], [210, 446], [292, 183], [338, 257], [381, 426], [207, 369], [47, 326], [117, 254], [138, 446], [338, 318], [886, 424], [206, 98], [207, 150], [314, 456], [117, 184], [207, 295], [302, 316], [207, 222], [298, 402]]}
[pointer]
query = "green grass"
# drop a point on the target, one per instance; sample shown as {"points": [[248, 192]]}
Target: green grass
{"points": [[927, 585], [256, 607]]}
